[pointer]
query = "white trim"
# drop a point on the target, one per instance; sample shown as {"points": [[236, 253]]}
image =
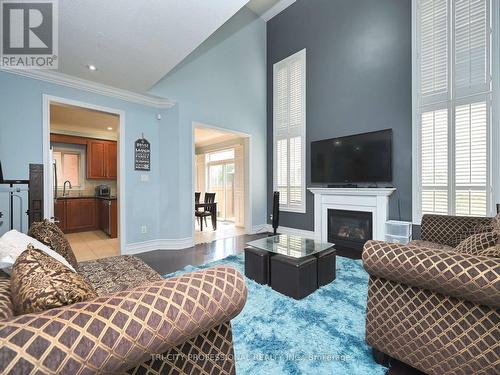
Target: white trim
{"points": [[48, 207], [416, 190], [247, 141], [94, 87], [495, 110], [279, 7], [151, 245], [260, 228]]}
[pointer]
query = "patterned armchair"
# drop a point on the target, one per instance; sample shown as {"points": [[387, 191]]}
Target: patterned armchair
{"points": [[434, 308], [173, 326]]}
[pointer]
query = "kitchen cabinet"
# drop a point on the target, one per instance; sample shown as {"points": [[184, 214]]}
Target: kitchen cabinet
{"points": [[111, 160], [86, 214], [101, 159], [60, 213], [81, 214]]}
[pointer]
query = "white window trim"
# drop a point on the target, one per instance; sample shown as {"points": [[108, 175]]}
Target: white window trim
{"points": [[494, 129], [302, 207], [495, 110]]}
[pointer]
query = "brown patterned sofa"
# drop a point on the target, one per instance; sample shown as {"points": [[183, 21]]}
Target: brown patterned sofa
{"points": [[434, 308], [138, 324]]}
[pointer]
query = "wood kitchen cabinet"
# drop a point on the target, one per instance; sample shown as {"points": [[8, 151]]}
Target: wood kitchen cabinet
{"points": [[60, 213], [101, 159], [111, 155], [81, 214], [86, 214]]}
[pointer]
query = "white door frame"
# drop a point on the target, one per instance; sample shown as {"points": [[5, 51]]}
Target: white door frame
{"points": [[247, 138], [49, 204]]}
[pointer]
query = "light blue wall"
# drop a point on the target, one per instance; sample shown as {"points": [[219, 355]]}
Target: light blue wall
{"points": [[21, 144], [223, 84]]}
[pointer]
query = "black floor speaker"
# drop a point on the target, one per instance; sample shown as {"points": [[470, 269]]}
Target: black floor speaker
{"points": [[276, 211]]}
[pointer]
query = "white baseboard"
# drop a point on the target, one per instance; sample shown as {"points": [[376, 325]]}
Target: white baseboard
{"points": [[165, 244], [283, 230], [260, 228]]}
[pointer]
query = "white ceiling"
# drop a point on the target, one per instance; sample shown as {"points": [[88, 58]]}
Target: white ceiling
{"points": [[135, 43], [205, 137], [67, 119]]}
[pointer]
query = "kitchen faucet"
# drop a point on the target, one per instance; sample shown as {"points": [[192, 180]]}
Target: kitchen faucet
{"points": [[64, 187]]}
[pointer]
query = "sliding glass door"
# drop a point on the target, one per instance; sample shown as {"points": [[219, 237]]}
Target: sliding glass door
{"points": [[220, 170]]}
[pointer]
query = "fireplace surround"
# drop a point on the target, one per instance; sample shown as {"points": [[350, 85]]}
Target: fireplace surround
{"points": [[374, 201]]}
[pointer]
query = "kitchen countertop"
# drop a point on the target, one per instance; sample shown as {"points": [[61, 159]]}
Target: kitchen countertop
{"points": [[86, 197]]}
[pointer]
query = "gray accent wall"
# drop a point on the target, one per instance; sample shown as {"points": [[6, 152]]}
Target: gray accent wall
{"points": [[358, 80]]}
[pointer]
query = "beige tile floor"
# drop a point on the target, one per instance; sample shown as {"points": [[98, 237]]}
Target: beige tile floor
{"points": [[225, 229], [93, 245]]}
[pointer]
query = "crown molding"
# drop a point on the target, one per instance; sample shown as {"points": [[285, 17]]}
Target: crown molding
{"points": [[277, 9], [94, 87]]}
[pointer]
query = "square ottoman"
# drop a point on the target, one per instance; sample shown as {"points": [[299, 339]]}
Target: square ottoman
{"points": [[326, 266], [296, 278], [257, 265]]}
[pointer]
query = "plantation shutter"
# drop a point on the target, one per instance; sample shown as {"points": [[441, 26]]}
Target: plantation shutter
{"points": [[289, 131], [471, 44], [434, 151], [434, 40], [454, 106]]}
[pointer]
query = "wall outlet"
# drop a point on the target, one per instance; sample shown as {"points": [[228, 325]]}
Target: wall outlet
{"points": [[144, 177], [144, 229]]}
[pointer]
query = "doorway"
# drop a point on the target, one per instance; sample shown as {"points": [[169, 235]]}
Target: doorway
{"points": [[83, 183], [221, 169]]}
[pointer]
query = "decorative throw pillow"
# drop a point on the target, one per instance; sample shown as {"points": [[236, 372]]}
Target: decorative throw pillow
{"points": [[50, 234], [13, 243], [477, 243], [39, 282]]}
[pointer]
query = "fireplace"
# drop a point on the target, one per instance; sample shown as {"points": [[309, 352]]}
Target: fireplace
{"points": [[349, 229]]}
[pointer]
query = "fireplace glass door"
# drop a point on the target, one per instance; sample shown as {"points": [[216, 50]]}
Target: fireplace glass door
{"points": [[349, 229]]}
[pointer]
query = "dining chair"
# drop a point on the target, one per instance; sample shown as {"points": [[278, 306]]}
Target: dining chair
{"points": [[208, 210], [197, 196]]}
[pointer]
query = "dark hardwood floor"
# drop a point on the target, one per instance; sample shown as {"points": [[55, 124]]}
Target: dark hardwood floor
{"points": [[168, 261]]}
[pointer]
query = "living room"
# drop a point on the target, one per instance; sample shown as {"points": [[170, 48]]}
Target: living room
{"points": [[369, 241]]}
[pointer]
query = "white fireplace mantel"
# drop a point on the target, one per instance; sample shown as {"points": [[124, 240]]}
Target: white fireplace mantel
{"points": [[374, 200]]}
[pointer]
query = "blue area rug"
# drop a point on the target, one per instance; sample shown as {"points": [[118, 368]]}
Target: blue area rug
{"points": [[320, 334]]}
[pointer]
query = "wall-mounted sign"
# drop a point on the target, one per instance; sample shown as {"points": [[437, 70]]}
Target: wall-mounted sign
{"points": [[142, 155]]}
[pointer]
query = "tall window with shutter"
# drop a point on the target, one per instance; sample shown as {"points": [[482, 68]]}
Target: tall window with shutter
{"points": [[289, 131], [453, 66]]}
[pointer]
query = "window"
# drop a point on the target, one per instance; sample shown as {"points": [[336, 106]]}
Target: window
{"points": [[69, 164], [453, 103], [289, 131], [220, 166]]}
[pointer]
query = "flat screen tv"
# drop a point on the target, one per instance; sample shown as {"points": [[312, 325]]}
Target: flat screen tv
{"points": [[360, 158]]}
